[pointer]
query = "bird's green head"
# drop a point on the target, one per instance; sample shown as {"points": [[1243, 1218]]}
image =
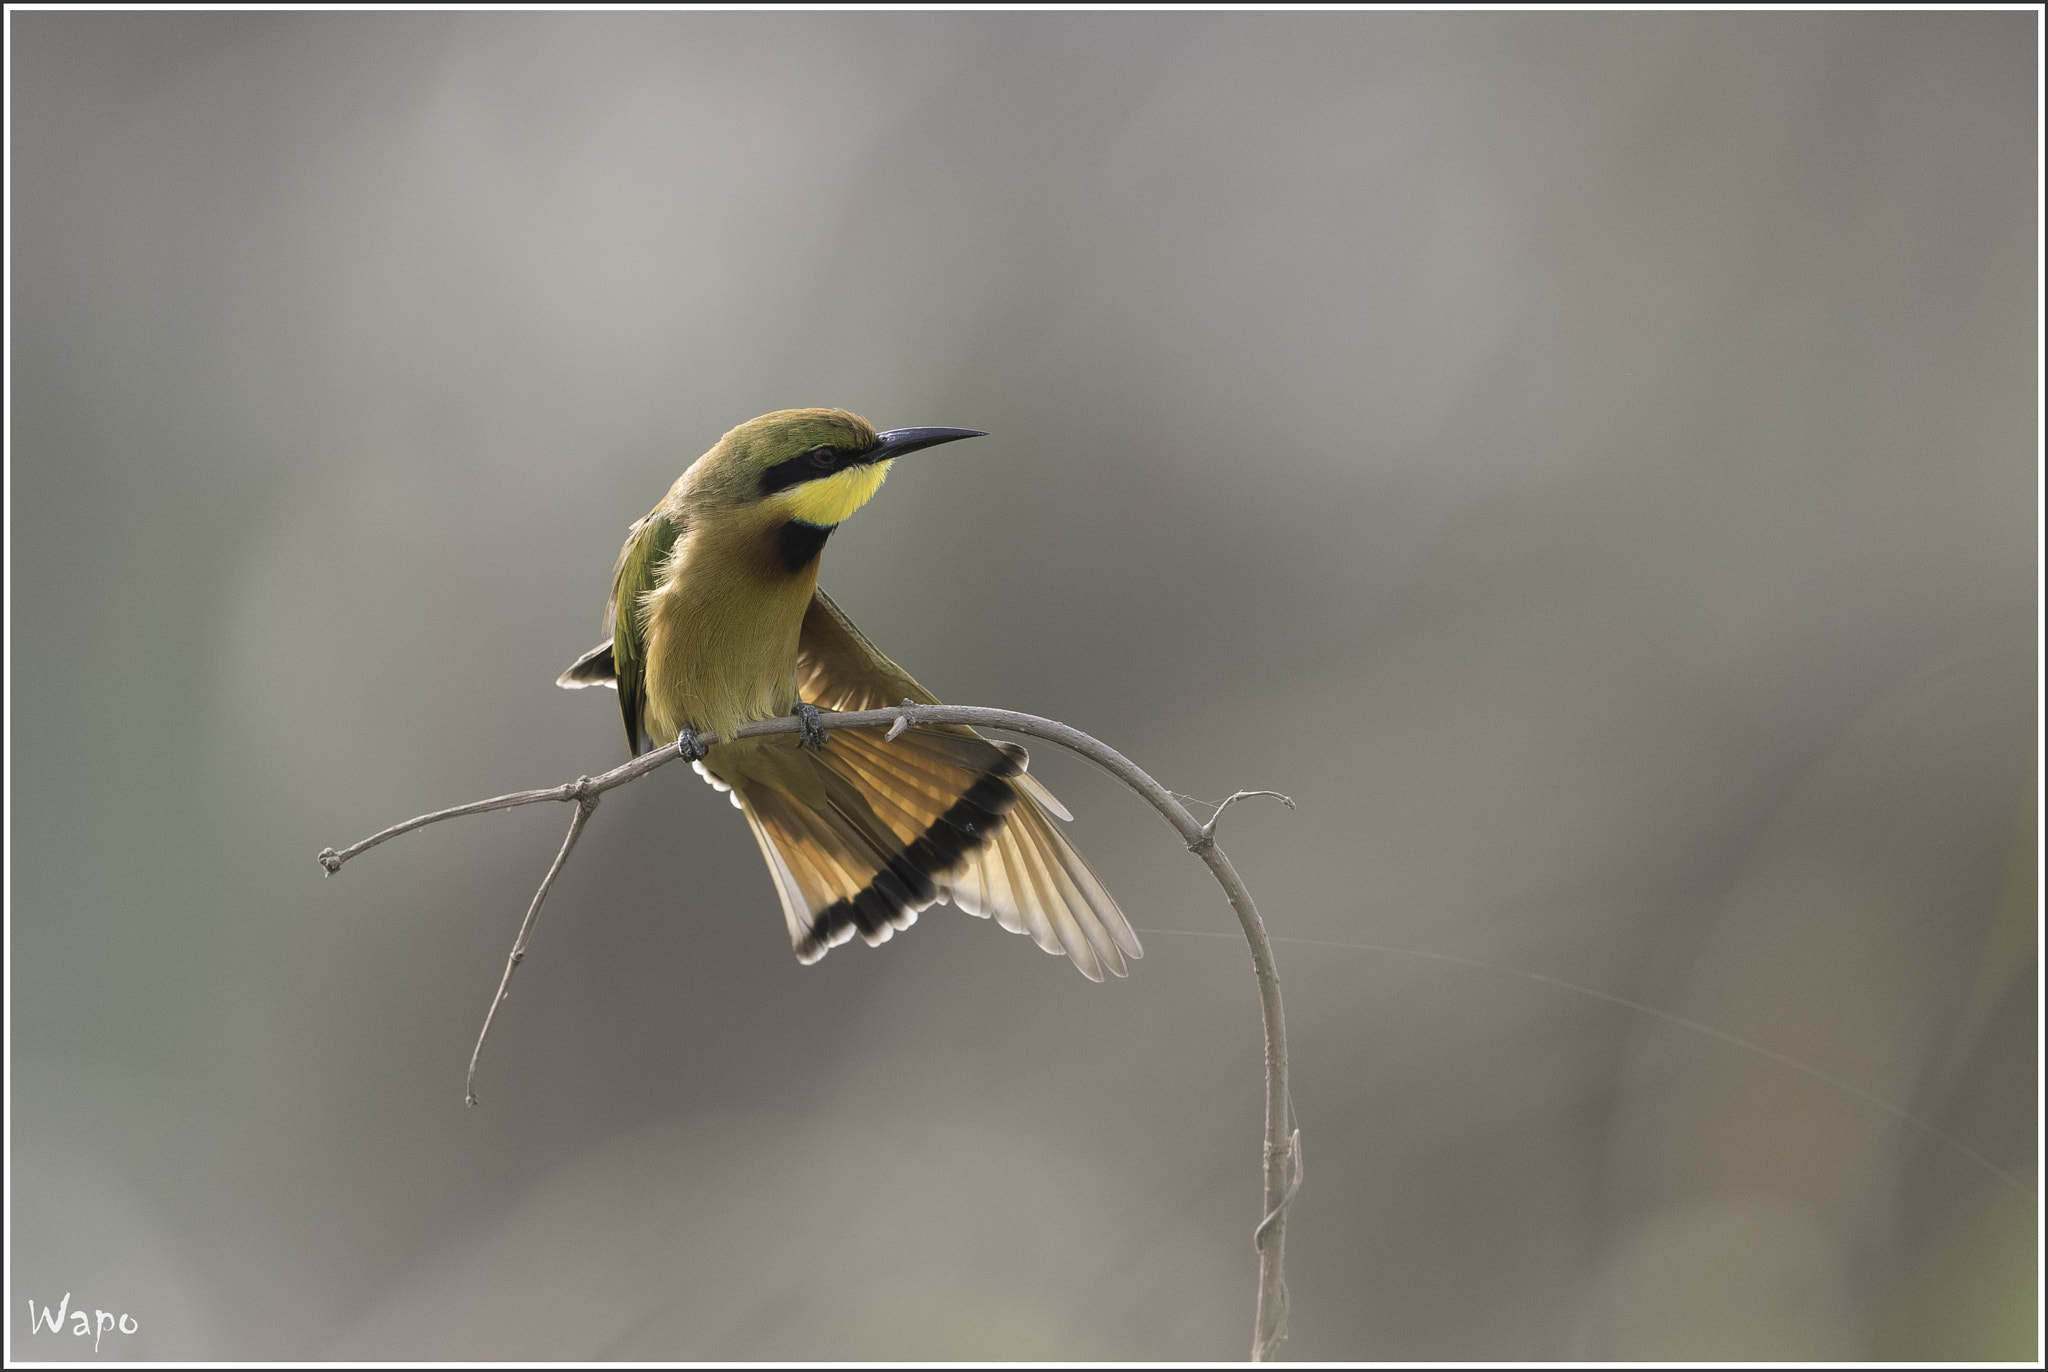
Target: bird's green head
{"points": [[812, 466]]}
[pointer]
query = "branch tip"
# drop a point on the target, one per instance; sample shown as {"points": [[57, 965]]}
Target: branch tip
{"points": [[331, 860]]}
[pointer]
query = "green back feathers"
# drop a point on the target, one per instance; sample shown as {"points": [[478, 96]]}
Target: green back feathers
{"points": [[639, 570]]}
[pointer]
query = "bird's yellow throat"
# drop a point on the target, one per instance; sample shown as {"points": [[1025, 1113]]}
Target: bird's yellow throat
{"points": [[830, 499]]}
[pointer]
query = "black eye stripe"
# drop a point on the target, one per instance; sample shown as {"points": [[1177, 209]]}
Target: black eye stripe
{"points": [[806, 466]]}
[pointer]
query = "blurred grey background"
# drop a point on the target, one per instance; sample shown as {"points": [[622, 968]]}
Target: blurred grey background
{"points": [[1588, 461]]}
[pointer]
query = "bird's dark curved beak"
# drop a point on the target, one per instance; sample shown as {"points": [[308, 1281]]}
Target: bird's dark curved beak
{"points": [[897, 442]]}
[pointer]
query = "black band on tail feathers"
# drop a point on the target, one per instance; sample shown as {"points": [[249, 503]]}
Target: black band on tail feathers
{"points": [[906, 885]]}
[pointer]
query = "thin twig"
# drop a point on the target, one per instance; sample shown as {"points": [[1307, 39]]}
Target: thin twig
{"points": [[585, 803], [593, 786], [1282, 1151]]}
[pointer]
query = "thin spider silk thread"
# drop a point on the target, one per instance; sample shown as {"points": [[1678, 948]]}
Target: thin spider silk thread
{"points": [[1734, 1040]]}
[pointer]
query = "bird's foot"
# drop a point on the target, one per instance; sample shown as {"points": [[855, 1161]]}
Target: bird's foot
{"points": [[812, 733], [689, 749]]}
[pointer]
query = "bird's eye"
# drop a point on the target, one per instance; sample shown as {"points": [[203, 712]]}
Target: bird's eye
{"points": [[822, 457]]}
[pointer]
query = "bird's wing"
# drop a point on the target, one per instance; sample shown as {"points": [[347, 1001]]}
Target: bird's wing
{"points": [[938, 799], [837, 668], [621, 661]]}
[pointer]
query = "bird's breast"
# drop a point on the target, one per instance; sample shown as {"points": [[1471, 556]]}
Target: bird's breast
{"points": [[722, 635]]}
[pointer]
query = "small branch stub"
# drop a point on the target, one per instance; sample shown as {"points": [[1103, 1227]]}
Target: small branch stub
{"points": [[1209, 829]]}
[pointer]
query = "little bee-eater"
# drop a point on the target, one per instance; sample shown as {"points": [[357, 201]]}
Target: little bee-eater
{"points": [[716, 619]]}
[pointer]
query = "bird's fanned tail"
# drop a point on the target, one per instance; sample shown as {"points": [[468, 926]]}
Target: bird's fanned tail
{"points": [[863, 835]]}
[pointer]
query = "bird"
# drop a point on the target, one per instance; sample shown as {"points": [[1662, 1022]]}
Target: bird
{"points": [[716, 619]]}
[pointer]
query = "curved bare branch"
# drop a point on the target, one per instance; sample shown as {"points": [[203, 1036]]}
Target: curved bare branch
{"points": [[1282, 1151]]}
